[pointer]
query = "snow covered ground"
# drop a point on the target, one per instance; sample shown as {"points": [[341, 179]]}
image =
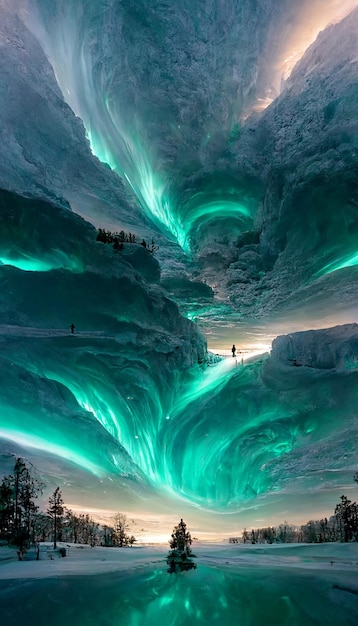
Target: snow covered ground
{"points": [[261, 585], [84, 560]]}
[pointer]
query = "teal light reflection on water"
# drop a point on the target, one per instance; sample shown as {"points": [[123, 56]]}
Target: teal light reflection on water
{"points": [[224, 594]]}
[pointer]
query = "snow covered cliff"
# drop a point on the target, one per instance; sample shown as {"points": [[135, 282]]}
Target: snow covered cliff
{"points": [[330, 348]]}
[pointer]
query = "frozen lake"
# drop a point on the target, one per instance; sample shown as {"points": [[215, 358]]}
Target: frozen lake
{"points": [[284, 585]]}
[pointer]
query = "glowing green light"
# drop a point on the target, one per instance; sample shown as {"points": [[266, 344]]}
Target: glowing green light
{"points": [[134, 166], [31, 264], [122, 420], [210, 380], [27, 265], [214, 449], [198, 312], [39, 443], [221, 208], [185, 454], [349, 261], [219, 203], [130, 160], [120, 134]]}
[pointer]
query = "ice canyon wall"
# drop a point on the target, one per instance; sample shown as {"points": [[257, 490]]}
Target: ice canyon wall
{"points": [[182, 122]]}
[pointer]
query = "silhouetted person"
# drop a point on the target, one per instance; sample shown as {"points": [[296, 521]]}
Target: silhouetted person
{"points": [[233, 350], [72, 327]]}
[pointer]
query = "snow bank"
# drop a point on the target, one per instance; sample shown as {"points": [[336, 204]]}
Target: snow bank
{"points": [[322, 349], [83, 560]]}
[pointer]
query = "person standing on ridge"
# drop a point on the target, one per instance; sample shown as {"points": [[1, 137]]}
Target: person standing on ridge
{"points": [[233, 350], [72, 327]]}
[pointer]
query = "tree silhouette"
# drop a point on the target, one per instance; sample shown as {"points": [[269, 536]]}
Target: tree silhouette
{"points": [[55, 512], [346, 513], [181, 538], [152, 247], [18, 492], [118, 239], [121, 529], [179, 557]]}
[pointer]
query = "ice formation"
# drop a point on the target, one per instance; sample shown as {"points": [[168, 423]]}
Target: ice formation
{"points": [[149, 117]]}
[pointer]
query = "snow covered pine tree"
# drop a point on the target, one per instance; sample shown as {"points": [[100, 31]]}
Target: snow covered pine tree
{"points": [[180, 557]]}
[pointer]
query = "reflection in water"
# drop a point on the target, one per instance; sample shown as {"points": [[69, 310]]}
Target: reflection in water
{"points": [[245, 597]]}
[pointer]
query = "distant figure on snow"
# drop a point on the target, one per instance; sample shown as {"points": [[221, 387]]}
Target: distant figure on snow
{"points": [[233, 350], [72, 327]]}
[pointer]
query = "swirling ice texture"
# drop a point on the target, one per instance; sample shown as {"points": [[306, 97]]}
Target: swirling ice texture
{"points": [[127, 397], [161, 88], [212, 461], [35, 239], [217, 438], [137, 76], [271, 425]]}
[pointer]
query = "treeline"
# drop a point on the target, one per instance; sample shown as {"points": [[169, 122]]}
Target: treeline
{"points": [[342, 526], [119, 239], [22, 524]]}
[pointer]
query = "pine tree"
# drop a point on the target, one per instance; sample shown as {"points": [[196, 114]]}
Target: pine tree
{"points": [[55, 512], [73, 525], [19, 470], [6, 507], [346, 513], [181, 538], [179, 557], [30, 488], [17, 504], [41, 527]]}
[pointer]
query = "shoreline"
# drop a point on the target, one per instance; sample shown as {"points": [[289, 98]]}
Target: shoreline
{"points": [[82, 560]]}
